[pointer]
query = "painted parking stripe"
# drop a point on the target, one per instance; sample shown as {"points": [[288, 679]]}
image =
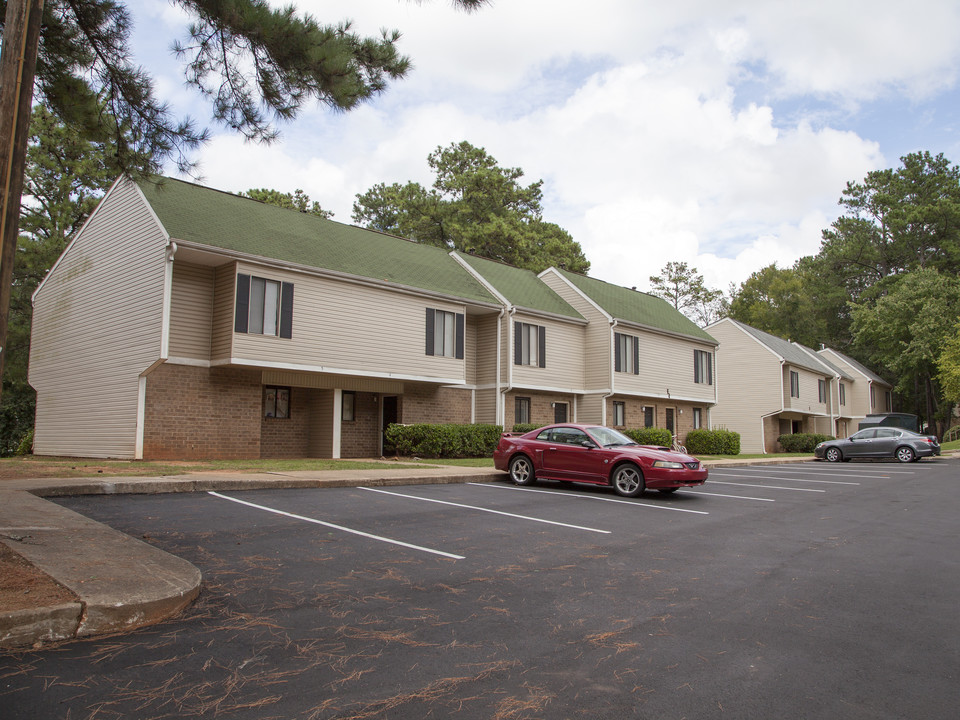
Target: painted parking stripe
{"points": [[857, 467], [590, 497], [735, 497], [830, 474], [336, 527], [789, 479], [495, 512], [765, 487]]}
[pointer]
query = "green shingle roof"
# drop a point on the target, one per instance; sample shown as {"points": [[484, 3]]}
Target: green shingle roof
{"points": [[200, 215], [637, 307], [521, 288]]}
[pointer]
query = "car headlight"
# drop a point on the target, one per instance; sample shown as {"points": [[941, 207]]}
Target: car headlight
{"points": [[668, 464]]}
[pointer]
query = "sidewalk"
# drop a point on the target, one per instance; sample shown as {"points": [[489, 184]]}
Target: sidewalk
{"points": [[124, 583]]}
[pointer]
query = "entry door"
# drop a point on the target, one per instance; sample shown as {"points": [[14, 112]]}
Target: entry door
{"points": [[670, 423], [559, 412], [389, 407]]}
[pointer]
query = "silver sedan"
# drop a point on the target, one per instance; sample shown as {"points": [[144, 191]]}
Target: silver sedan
{"points": [[882, 442]]}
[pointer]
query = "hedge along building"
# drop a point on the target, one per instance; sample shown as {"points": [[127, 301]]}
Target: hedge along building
{"points": [[184, 322]]}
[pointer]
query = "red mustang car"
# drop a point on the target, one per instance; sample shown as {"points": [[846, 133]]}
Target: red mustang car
{"points": [[595, 454]]}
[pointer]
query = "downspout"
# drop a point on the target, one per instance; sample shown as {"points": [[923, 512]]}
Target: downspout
{"points": [[763, 435], [613, 369], [509, 387], [164, 348], [500, 412]]}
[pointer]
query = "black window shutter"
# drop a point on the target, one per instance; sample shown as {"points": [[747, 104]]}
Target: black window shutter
{"points": [[636, 356], [430, 323], [243, 304], [459, 336], [709, 368], [696, 366], [542, 346], [286, 310], [617, 364], [517, 343]]}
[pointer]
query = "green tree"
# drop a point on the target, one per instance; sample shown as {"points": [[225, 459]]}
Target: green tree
{"points": [[777, 301], [907, 330], [684, 288], [257, 65], [65, 178], [948, 366], [299, 200], [475, 206]]}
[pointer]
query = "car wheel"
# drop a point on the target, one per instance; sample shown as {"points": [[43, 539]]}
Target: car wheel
{"points": [[906, 454], [628, 480], [833, 454], [667, 491], [521, 470]]}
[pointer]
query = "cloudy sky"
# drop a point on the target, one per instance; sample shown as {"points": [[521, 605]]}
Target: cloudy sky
{"points": [[715, 132]]}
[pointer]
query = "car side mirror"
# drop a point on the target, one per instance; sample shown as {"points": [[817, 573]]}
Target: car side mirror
{"points": [[587, 443]]}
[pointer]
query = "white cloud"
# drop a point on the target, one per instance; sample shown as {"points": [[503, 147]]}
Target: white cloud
{"points": [[659, 128]]}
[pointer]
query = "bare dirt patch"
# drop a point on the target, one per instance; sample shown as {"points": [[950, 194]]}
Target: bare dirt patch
{"points": [[22, 586]]}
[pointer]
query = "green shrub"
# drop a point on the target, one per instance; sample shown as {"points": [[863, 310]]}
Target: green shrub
{"points": [[25, 447], [650, 436], [713, 442], [525, 427], [802, 442], [444, 441]]}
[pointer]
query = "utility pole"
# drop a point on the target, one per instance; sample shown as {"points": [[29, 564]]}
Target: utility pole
{"points": [[18, 64]]}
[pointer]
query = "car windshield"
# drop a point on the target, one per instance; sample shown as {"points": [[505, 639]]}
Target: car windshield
{"points": [[608, 437]]}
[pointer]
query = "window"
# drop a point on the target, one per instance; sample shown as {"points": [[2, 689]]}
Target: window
{"points": [[276, 402], [648, 417], [522, 415], [697, 418], [822, 390], [348, 410], [619, 413], [888, 401], [444, 332], [529, 344], [703, 367], [794, 384], [627, 354], [843, 394], [264, 307]]}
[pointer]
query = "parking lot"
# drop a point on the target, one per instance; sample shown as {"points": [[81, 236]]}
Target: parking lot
{"points": [[792, 591]]}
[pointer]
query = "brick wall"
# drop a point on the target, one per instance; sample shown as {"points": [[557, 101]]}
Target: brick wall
{"points": [[432, 404], [289, 437], [542, 411], [196, 413], [682, 421], [360, 438]]}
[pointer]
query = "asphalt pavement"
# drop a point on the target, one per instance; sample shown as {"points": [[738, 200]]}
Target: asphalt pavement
{"points": [[122, 582]]}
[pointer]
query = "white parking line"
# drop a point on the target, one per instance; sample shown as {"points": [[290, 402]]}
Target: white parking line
{"points": [[836, 467], [736, 497], [495, 512], [765, 487], [336, 527], [590, 497], [775, 477], [846, 474]]}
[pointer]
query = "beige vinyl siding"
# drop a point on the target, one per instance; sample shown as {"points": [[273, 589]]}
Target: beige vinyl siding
{"points": [[666, 369], [809, 400], [857, 393], [346, 326], [486, 350], [486, 406], [564, 357], [97, 325], [321, 425], [191, 311], [224, 300], [597, 338], [748, 378], [590, 409], [470, 349]]}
